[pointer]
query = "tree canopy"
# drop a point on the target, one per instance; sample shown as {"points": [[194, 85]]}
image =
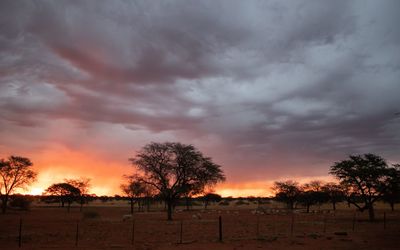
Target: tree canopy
{"points": [[64, 191], [334, 192], [312, 193], [287, 191], [83, 184], [135, 188], [176, 170], [210, 197]]}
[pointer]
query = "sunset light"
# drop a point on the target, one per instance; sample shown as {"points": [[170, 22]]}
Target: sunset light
{"points": [[262, 123], [94, 99]]}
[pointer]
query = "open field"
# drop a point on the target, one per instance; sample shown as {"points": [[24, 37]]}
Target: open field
{"points": [[53, 227]]}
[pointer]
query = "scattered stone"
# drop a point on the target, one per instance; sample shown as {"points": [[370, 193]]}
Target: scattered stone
{"points": [[126, 217], [196, 216]]}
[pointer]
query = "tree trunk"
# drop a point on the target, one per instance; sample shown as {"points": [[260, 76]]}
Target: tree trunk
{"points": [[4, 201], [149, 201], [131, 205], [187, 199], [169, 212], [371, 212], [290, 205], [334, 205], [308, 208], [392, 206], [69, 206], [81, 207]]}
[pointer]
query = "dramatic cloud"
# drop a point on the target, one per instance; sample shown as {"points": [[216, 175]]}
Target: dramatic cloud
{"points": [[269, 89]]}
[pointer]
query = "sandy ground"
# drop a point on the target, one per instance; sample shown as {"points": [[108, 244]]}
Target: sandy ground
{"points": [[53, 227]]}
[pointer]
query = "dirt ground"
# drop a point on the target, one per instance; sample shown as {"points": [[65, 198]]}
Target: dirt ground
{"points": [[103, 227]]}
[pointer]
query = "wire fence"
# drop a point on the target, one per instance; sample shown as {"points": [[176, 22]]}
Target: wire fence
{"points": [[212, 227]]}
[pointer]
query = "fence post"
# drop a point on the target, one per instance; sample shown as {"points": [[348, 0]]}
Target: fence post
{"points": [[292, 225], [133, 232], [181, 232], [258, 227], [354, 221], [77, 233], [220, 228], [20, 233], [274, 219]]}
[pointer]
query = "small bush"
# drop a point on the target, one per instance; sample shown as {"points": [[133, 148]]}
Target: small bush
{"points": [[195, 203], [240, 202], [91, 215], [224, 203], [20, 202], [264, 202]]}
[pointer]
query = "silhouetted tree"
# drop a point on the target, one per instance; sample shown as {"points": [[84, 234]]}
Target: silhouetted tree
{"points": [[311, 194], [66, 193], [391, 194], [135, 189], [210, 197], [287, 191], [83, 184], [175, 170], [365, 177], [15, 172], [334, 192]]}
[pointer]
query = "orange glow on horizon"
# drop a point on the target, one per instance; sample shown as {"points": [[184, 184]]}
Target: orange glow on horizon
{"points": [[58, 162], [256, 189]]}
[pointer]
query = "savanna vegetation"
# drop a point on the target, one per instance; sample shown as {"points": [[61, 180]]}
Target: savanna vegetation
{"points": [[178, 180], [175, 174]]}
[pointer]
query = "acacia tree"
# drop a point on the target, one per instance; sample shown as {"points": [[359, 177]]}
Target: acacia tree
{"points": [[15, 173], [364, 176], [135, 189], [64, 191], [210, 197], [311, 194], [83, 184], [176, 169], [334, 192], [287, 191]]}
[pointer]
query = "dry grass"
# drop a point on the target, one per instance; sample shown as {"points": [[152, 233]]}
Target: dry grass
{"points": [[45, 227]]}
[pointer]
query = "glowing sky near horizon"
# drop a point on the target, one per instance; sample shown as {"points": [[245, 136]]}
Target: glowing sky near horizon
{"points": [[271, 90]]}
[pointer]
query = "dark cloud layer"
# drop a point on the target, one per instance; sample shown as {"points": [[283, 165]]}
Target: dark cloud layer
{"points": [[276, 86]]}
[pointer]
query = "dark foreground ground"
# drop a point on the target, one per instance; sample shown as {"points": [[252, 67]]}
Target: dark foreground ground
{"points": [[104, 228]]}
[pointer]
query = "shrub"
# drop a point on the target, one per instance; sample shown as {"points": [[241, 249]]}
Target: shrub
{"points": [[264, 202], [21, 202], [240, 202], [224, 203], [195, 203]]}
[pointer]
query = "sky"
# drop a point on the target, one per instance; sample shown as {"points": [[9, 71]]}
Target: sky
{"points": [[271, 90]]}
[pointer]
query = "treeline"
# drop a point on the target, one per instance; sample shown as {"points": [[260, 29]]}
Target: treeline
{"points": [[177, 174], [363, 180]]}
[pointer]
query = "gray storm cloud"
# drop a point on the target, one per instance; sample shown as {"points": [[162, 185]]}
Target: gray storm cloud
{"points": [[288, 84]]}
